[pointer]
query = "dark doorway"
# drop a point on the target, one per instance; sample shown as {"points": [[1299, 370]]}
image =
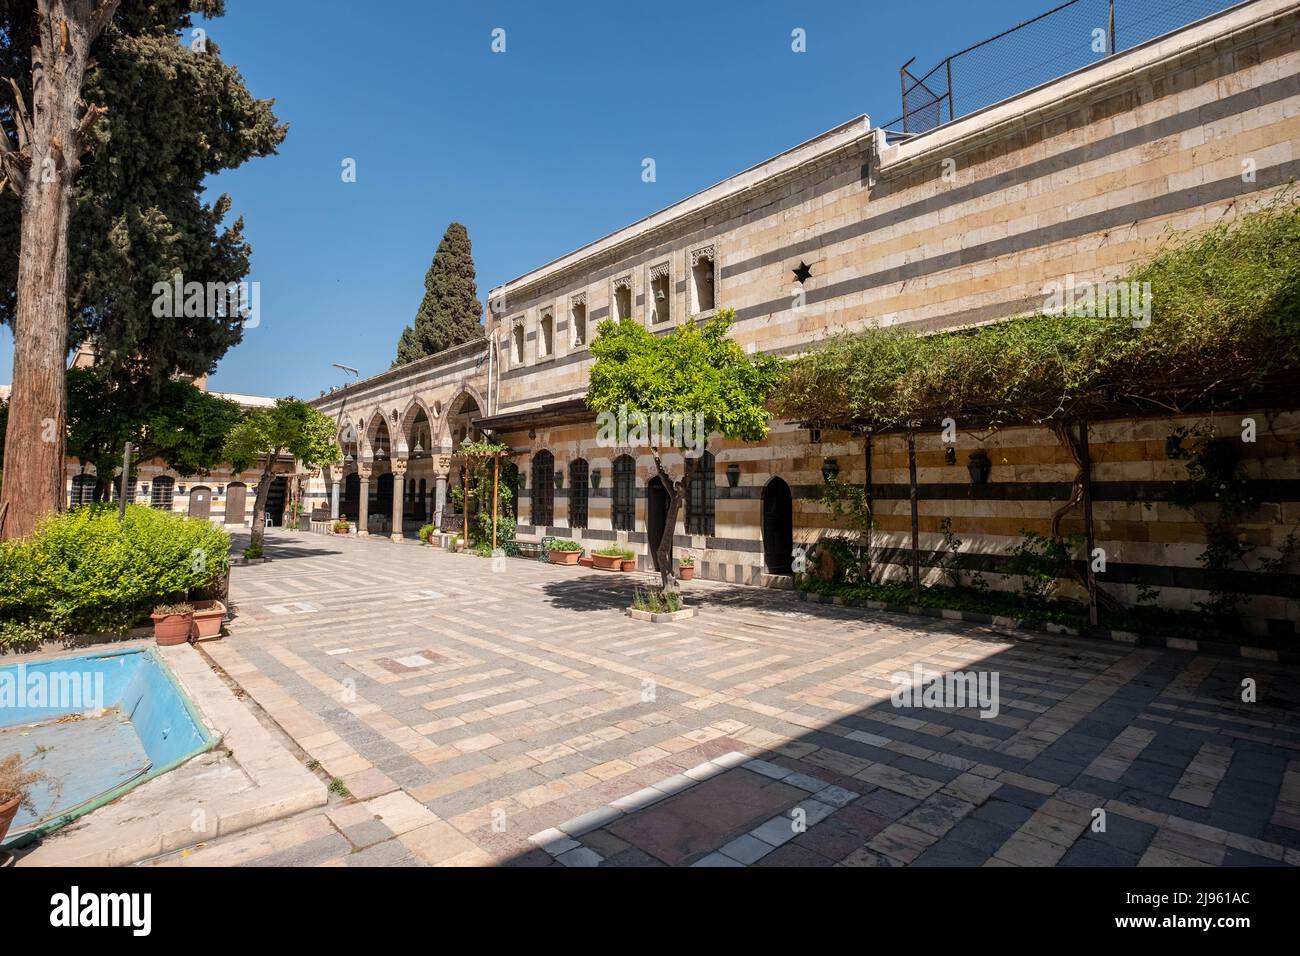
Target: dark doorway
{"points": [[200, 502], [656, 519], [384, 496], [236, 502], [778, 527], [350, 505], [275, 500]]}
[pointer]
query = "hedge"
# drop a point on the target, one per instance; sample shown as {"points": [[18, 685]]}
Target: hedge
{"points": [[87, 572]]}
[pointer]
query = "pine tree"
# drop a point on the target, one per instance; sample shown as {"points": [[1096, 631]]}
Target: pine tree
{"points": [[449, 313], [113, 119]]}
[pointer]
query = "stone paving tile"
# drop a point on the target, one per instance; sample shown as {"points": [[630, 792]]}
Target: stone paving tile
{"points": [[467, 713]]}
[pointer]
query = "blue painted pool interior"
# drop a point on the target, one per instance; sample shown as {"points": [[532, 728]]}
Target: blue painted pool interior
{"points": [[147, 727]]}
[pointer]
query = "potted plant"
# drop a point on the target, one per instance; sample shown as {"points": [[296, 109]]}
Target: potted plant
{"points": [[172, 623], [685, 567], [564, 551], [426, 533], [608, 559], [208, 616], [15, 789], [629, 560], [342, 527], [586, 561]]}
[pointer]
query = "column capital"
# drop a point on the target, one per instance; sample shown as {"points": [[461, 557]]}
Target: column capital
{"points": [[365, 469], [399, 466]]}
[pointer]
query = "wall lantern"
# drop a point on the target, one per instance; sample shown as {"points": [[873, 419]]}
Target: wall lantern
{"points": [[1174, 446], [979, 467], [830, 469], [180, 490], [733, 474], [595, 477], [144, 489], [950, 454], [221, 489], [659, 296], [559, 480]]}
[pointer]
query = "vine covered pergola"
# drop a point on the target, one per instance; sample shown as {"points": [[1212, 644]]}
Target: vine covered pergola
{"points": [[1223, 333]]}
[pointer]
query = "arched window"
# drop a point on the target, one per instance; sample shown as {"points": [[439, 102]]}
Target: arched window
{"points": [[160, 494], [83, 490], [623, 511], [578, 478], [699, 497], [546, 336], [543, 500], [116, 493]]}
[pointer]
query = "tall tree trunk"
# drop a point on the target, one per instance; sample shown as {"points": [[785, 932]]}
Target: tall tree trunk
{"points": [[668, 573], [258, 530], [41, 171]]}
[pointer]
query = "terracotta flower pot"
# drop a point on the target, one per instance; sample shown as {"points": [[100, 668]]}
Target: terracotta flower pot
{"points": [[607, 562], [586, 561], [563, 557], [207, 618], [686, 573], [171, 629], [7, 813], [629, 565]]}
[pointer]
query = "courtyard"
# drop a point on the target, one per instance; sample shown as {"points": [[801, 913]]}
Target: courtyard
{"points": [[466, 716]]}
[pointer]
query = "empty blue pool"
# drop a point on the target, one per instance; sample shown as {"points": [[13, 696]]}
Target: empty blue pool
{"points": [[95, 725]]}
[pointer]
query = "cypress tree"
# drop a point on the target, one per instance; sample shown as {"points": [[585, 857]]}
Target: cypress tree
{"points": [[449, 313]]}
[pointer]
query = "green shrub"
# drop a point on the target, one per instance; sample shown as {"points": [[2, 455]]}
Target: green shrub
{"points": [[426, 532], [253, 552], [564, 544], [614, 551], [656, 600], [86, 572]]}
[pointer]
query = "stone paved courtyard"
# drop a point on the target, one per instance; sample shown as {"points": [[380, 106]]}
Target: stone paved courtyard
{"points": [[520, 718]]}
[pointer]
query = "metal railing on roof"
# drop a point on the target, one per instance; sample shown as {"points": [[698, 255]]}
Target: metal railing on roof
{"points": [[1067, 37]]}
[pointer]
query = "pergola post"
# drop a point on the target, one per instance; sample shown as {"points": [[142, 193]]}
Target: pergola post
{"points": [[1085, 460], [496, 478], [870, 500], [916, 525]]}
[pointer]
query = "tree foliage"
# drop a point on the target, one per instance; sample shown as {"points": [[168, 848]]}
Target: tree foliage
{"points": [[176, 114], [450, 310], [290, 427], [1225, 319], [184, 426], [695, 370]]}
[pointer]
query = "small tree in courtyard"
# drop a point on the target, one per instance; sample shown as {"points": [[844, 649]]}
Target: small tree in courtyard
{"points": [[687, 385], [289, 427]]}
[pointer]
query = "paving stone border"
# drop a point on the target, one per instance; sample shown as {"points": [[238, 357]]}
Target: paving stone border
{"points": [[1193, 645], [562, 843]]}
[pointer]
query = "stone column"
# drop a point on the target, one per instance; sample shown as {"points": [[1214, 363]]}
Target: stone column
{"points": [[399, 492], [440, 493], [335, 481], [363, 508]]}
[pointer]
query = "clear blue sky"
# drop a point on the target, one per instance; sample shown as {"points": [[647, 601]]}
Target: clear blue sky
{"points": [[537, 150]]}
